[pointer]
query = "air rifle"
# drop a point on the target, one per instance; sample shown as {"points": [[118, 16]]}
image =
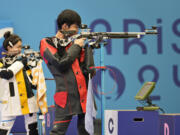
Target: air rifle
{"points": [[95, 38], [32, 56]]}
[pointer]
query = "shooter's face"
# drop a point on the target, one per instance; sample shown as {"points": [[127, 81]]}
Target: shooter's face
{"points": [[16, 49], [72, 27]]}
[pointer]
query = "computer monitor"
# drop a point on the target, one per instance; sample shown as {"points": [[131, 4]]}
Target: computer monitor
{"points": [[145, 91], [143, 95]]}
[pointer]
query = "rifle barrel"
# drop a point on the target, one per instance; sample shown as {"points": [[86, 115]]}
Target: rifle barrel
{"points": [[109, 35]]}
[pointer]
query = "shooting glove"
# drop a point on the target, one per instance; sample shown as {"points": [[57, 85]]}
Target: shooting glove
{"points": [[6, 74], [23, 59]]}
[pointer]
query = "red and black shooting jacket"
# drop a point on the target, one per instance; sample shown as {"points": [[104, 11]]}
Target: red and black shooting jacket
{"points": [[69, 67]]}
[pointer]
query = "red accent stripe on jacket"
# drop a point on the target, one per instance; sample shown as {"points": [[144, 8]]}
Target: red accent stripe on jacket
{"points": [[82, 55], [56, 122], [81, 82], [43, 47]]}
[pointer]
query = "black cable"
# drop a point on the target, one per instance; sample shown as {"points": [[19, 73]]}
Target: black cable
{"points": [[161, 110]]}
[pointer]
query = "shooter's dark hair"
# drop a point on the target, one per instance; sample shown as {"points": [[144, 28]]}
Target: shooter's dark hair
{"points": [[69, 17], [10, 39]]}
